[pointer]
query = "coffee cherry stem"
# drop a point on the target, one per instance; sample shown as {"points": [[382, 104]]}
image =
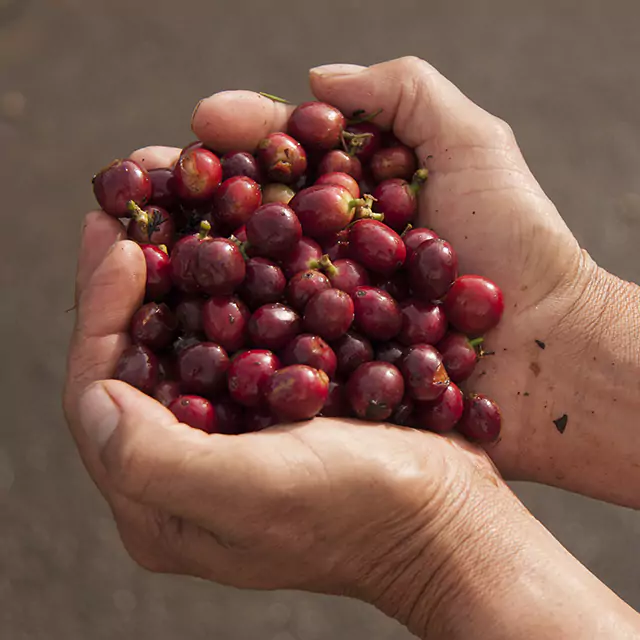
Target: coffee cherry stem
{"points": [[406, 230], [476, 342], [353, 142], [243, 246], [274, 98], [327, 266], [205, 229], [138, 215], [419, 178], [361, 115], [163, 248]]}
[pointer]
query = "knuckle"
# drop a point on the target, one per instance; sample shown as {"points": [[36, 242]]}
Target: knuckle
{"points": [[414, 65]]}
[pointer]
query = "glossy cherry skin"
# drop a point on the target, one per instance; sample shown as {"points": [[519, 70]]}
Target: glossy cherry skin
{"points": [[189, 315], [167, 391], [264, 283], [235, 202], [316, 125], [338, 161], [221, 267], [230, 417], [392, 352], [197, 175], [396, 285], [422, 322], [345, 275], [162, 194], [277, 192], [248, 375], [323, 210], [377, 314], [415, 237], [397, 199], [329, 314], [459, 356], [158, 279], [282, 158], [202, 368], [352, 350], [376, 247], [440, 415], [153, 325], [336, 246], [374, 390], [240, 234], [303, 286], [273, 230], [474, 305], [195, 411], [240, 163], [225, 320], [423, 371], [159, 228], [393, 162], [273, 326], [341, 179], [312, 351], [364, 139], [432, 269], [297, 392], [139, 367], [305, 255], [336, 404], [481, 420], [118, 184], [184, 263]]}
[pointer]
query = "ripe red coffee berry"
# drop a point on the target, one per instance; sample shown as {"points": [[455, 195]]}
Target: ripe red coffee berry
{"points": [[121, 182], [459, 355], [403, 414], [240, 163], [273, 326], [197, 174], [152, 225], [481, 420], [415, 237], [195, 411], [363, 139], [305, 255], [303, 286], [398, 200], [440, 415], [282, 158], [338, 161], [202, 368], [189, 315], [346, 275], [153, 325], [423, 371], [158, 279], [138, 366], [474, 305], [374, 390], [167, 391], [312, 351], [377, 314], [230, 417], [329, 314], [432, 269], [263, 283], [297, 392], [225, 320], [422, 322], [341, 179], [317, 125], [235, 202], [221, 267], [273, 230], [351, 351], [323, 210], [184, 260], [393, 162], [162, 194], [336, 405], [392, 352], [248, 375], [376, 246]]}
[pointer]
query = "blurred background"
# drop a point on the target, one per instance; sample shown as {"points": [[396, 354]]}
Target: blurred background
{"points": [[84, 82]]}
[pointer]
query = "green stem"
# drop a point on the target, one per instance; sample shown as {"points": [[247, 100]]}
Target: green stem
{"points": [[476, 342], [274, 98], [361, 115], [205, 228], [406, 230], [137, 214], [419, 178], [326, 265]]}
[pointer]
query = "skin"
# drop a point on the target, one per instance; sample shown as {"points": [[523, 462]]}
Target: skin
{"points": [[452, 550]]}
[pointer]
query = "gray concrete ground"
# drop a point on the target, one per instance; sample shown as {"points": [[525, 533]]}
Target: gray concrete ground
{"points": [[82, 82]]}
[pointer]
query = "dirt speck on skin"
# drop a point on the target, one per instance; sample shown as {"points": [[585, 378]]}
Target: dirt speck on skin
{"points": [[541, 344], [561, 423], [535, 368]]}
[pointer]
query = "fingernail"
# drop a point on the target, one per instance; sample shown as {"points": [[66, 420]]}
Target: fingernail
{"points": [[193, 115], [99, 415], [334, 70]]}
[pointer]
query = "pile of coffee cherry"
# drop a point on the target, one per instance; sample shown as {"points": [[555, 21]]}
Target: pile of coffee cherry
{"points": [[294, 282]]}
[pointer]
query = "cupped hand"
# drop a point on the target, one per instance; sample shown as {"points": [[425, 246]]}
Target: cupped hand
{"points": [[328, 505]]}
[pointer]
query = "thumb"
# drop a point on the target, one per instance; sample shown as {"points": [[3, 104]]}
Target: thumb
{"points": [[414, 99]]}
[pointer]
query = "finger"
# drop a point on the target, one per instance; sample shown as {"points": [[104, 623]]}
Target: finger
{"points": [[238, 120], [156, 157], [152, 459], [105, 307], [99, 233], [417, 102]]}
